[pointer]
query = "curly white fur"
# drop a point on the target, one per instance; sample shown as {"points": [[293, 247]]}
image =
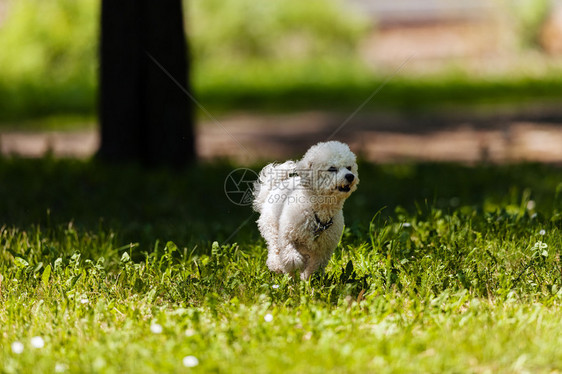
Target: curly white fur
{"points": [[300, 205]]}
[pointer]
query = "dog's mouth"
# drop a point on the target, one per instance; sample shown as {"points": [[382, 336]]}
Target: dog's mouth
{"points": [[345, 188]]}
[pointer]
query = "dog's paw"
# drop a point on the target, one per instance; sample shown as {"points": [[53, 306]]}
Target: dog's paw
{"points": [[294, 261], [274, 265], [305, 275]]}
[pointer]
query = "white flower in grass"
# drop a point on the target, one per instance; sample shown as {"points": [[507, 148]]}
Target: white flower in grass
{"points": [[531, 204], [542, 232], [406, 224], [60, 368], [84, 300], [540, 245], [189, 332], [37, 342], [156, 328], [268, 317], [190, 361], [275, 286], [17, 347]]}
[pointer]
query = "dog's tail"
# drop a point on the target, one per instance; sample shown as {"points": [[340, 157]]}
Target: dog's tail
{"points": [[271, 176]]}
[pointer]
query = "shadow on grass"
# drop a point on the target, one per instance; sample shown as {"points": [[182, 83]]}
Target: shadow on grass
{"points": [[191, 208]]}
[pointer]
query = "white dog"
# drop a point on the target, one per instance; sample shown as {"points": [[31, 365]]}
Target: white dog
{"points": [[300, 205]]}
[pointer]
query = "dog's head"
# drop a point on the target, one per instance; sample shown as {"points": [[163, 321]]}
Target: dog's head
{"points": [[329, 168]]}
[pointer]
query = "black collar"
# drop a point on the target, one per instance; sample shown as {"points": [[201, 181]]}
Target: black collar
{"points": [[321, 226]]}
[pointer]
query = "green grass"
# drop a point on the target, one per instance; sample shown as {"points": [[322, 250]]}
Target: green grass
{"points": [[441, 268]]}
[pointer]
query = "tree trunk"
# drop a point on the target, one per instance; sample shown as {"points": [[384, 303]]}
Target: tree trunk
{"points": [[145, 116]]}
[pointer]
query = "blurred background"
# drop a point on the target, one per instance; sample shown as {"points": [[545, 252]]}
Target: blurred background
{"points": [[449, 105], [465, 81]]}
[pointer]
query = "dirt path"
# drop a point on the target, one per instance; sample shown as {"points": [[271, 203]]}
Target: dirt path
{"points": [[377, 137]]}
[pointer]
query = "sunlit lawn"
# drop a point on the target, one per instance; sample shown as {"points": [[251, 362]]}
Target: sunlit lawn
{"points": [[441, 268]]}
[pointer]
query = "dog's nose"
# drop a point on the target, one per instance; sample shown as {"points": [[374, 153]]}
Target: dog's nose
{"points": [[350, 177]]}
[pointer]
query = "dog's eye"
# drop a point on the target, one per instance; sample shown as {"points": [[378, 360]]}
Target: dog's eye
{"points": [[333, 169], [348, 168]]}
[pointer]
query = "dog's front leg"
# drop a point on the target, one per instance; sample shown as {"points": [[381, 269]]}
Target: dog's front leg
{"points": [[292, 259], [308, 270]]}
